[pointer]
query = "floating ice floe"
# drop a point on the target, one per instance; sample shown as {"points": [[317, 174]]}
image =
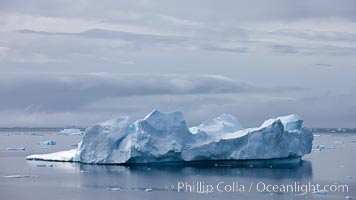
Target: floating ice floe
{"points": [[71, 131], [49, 142], [318, 147], [16, 149], [113, 189], [33, 134], [21, 176], [45, 165], [316, 135], [165, 137], [322, 192]]}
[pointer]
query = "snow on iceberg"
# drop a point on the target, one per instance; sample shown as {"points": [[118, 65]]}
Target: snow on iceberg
{"points": [[218, 126], [165, 137], [65, 156], [290, 122]]}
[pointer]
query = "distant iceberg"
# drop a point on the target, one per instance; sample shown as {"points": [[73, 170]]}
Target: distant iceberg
{"points": [[70, 131], [165, 137]]}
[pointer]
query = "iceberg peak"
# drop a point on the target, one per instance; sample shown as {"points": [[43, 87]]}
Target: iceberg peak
{"points": [[225, 123], [164, 120], [152, 113], [290, 122]]}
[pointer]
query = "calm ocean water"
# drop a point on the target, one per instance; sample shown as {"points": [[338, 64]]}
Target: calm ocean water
{"points": [[333, 165]]}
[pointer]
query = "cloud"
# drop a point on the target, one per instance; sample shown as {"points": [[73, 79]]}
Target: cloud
{"points": [[308, 37], [13, 22], [179, 21], [329, 36], [284, 48], [206, 9], [313, 50], [82, 99], [227, 49], [270, 43], [110, 34], [68, 92], [15, 56], [323, 65]]}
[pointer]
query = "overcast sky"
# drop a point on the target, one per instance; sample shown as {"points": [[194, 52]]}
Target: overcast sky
{"points": [[67, 62]]}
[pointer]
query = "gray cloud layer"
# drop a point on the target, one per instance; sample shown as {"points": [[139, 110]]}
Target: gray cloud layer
{"points": [[49, 92], [281, 56], [68, 92]]}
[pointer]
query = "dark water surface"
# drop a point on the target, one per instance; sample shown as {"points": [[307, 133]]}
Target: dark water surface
{"points": [[334, 165]]}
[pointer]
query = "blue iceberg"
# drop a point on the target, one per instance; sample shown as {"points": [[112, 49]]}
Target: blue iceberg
{"points": [[165, 138]]}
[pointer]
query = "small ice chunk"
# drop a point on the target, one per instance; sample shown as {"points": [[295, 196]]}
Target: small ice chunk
{"points": [[16, 149], [148, 190], [318, 147], [322, 192], [316, 135], [45, 165], [21, 176], [33, 134], [348, 197], [113, 189], [49, 142], [301, 194]]}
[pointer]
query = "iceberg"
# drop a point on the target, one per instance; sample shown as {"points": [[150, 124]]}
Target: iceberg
{"points": [[165, 138], [70, 131]]}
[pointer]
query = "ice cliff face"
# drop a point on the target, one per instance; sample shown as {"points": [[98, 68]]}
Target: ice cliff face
{"points": [[165, 137]]}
